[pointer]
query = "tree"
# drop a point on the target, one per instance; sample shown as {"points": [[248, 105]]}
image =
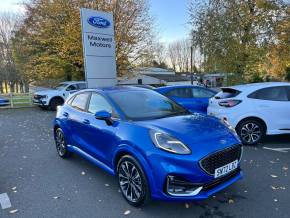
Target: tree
{"points": [[287, 77], [237, 35], [8, 73], [179, 55], [48, 44]]}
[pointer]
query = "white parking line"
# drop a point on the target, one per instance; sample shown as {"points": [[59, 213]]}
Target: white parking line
{"points": [[283, 150], [5, 201]]}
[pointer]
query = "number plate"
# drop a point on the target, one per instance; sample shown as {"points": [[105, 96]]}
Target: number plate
{"points": [[226, 169]]}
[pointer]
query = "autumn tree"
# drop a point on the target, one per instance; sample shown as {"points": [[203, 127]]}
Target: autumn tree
{"points": [[48, 43], [237, 36]]}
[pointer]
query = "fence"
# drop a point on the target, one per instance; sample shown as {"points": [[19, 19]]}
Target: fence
{"points": [[16, 100]]}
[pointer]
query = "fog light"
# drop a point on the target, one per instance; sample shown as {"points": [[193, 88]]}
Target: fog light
{"points": [[177, 186]]}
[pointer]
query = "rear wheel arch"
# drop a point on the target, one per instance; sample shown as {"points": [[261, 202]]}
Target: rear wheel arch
{"points": [[253, 118], [251, 130]]}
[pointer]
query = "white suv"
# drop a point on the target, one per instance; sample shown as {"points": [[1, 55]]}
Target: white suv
{"points": [[254, 110], [51, 98]]}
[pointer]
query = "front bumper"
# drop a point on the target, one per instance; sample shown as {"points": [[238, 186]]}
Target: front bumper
{"points": [[40, 102], [186, 168]]}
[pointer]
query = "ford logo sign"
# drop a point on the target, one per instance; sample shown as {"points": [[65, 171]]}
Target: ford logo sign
{"points": [[99, 22]]}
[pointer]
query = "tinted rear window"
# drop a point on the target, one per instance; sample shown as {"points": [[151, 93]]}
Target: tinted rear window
{"points": [[227, 93], [288, 92], [180, 93], [271, 94]]}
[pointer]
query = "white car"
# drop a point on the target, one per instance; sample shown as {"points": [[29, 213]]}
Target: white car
{"points": [[254, 110], [51, 98]]}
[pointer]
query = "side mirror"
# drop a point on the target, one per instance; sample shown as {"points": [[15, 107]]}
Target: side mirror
{"points": [[104, 115]]}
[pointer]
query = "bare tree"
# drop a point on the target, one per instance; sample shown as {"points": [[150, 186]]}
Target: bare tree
{"points": [[8, 74], [179, 55]]}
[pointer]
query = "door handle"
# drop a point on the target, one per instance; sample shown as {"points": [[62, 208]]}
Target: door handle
{"points": [[85, 121], [65, 114]]}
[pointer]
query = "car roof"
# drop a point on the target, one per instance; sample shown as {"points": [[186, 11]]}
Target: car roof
{"points": [[117, 89], [167, 88], [177, 86], [255, 86]]}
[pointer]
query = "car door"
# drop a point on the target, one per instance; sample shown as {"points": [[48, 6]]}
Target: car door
{"points": [[183, 96], [96, 135], [273, 106], [75, 116], [201, 98]]}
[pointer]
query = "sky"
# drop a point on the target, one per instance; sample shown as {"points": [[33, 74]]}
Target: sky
{"points": [[171, 17]]}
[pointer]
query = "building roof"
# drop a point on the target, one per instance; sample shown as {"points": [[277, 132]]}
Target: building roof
{"points": [[171, 78], [153, 70]]}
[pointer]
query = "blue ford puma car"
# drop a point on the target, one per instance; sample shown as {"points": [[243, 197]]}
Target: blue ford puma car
{"points": [[156, 148], [193, 98]]}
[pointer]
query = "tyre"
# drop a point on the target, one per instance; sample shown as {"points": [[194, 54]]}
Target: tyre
{"points": [[55, 102], [61, 145], [43, 107], [251, 131], [132, 181]]}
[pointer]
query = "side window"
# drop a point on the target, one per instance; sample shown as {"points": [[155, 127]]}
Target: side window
{"points": [[271, 94], [99, 103], [180, 93], [201, 93], [81, 86], [70, 100], [288, 92], [80, 101], [71, 88]]}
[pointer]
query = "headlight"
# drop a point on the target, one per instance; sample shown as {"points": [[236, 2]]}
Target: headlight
{"points": [[168, 143], [44, 96]]}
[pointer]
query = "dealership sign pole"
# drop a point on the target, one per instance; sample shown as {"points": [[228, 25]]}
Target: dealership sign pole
{"points": [[98, 48]]}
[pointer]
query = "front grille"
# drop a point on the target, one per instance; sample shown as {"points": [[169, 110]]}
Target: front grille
{"points": [[37, 97], [220, 158]]}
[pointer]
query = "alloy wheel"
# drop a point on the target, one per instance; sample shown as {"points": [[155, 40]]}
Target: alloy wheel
{"points": [[60, 143], [130, 181], [251, 133]]}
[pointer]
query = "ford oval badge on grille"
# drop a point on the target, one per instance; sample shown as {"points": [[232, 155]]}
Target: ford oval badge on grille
{"points": [[99, 22]]}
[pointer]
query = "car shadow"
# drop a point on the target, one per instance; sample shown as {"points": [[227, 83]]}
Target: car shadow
{"points": [[277, 139]]}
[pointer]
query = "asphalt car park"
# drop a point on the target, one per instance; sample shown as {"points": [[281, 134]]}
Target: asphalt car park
{"points": [[40, 184]]}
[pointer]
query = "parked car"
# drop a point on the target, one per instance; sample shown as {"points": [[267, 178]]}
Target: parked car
{"points": [[4, 101], [193, 98], [155, 147], [254, 110], [51, 98]]}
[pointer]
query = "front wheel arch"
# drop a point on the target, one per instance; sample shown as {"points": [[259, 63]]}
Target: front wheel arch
{"points": [[54, 99], [128, 150]]}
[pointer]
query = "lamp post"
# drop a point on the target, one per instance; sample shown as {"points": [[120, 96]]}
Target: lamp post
{"points": [[191, 67]]}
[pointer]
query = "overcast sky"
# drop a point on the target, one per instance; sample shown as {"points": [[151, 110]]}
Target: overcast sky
{"points": [[171, 16]]}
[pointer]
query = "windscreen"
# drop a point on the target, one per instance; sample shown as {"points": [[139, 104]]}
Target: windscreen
{"points": [[60, 86], [146, 104]]}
